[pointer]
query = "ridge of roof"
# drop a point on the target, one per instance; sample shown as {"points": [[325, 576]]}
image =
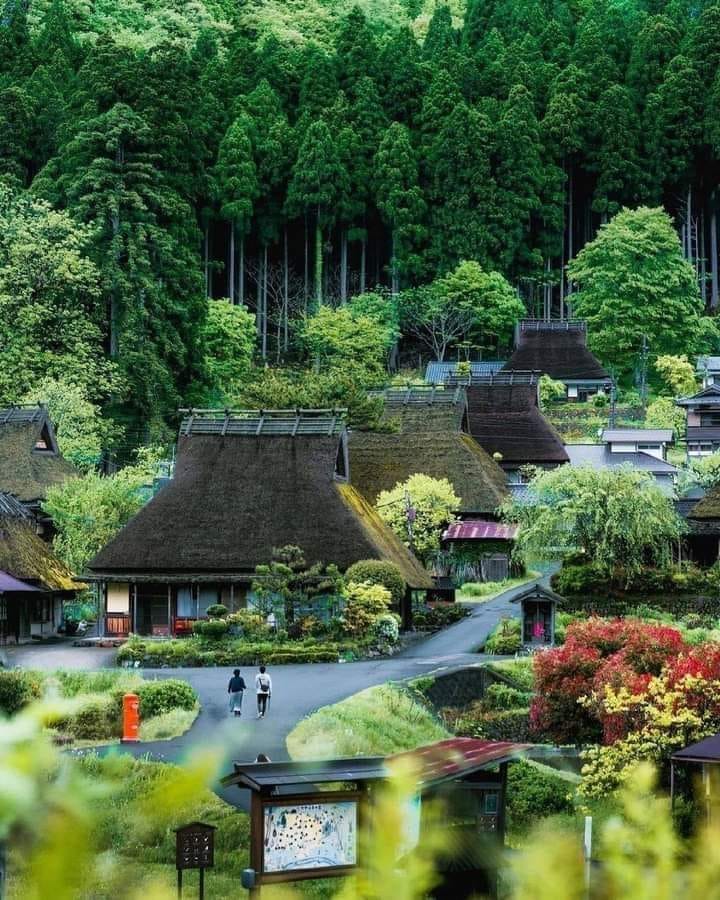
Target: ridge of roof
{"points": [[254, 422]]}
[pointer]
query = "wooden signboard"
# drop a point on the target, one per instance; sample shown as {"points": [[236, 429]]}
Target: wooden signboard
{"points": [[194, 849]]}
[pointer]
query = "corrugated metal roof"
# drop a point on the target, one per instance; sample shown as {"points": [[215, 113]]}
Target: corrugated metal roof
{"points": [[436, 372], [641, 435], [8, 584], [707, 750], [599, 456], [442, 761], [708, 364], [480, 530]]}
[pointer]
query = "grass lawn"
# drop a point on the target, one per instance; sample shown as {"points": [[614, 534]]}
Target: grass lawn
{"points": [[377, 721], [481, 592]]}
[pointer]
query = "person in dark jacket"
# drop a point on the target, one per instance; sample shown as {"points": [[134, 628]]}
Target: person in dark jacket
{"points": [[236, 686]]}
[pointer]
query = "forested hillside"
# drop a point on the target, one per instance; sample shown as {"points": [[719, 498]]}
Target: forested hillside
{"points": [[289, 155]]}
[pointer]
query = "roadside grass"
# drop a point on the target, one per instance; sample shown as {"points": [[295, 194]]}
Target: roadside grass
{"points": [[376, 722], [481, 592], [168, 725], [520, 670]]}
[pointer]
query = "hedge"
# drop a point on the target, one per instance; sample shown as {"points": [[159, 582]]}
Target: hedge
{"points": [[186, 652], [503, 725], [534, 794]]}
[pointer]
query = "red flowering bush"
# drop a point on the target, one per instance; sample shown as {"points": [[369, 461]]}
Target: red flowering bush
{"points": [[598, 654]]}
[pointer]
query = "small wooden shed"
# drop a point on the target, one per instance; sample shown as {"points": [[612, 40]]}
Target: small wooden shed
{"points": [[538, 608]]}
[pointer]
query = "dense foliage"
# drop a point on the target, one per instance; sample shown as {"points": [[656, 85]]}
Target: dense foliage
{"points": [[284, 155], [618, 519]]}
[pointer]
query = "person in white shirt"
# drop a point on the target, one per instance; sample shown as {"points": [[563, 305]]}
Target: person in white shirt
{"points": [[263, 689]]}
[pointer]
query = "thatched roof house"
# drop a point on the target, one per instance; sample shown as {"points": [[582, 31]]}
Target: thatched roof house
{"points": [[30, 461], [33, 581], [559, 349], [504, 417], [701, 512], [245, 484], [429, 441]]}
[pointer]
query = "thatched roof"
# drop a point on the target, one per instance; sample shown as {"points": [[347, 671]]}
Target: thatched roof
{"points": [[708, 507], [30, 461], [504, 417], [26, 556], [379, 461], [236, 497], [424, 408], [557, 349]]}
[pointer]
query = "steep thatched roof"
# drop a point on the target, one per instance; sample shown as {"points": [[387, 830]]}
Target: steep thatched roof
{"points": [[708, 507], [236, 497], [503, 417], [30, 461], [27, 557], [379, 461], [557, 349], [425, 408]]}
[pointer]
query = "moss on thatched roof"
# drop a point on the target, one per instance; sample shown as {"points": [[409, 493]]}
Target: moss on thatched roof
{"points": [[27, 557], [26, 471], [424, 408], [708, 507], [561, 353], [235, 498], [379, 461]]}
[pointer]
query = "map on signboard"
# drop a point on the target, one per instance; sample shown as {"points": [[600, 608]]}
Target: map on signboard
{"points": [[310, 836]]}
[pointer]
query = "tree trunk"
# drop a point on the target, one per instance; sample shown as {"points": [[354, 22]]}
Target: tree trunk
{"points": [[231, 269], [286, 294], [394, 286], [242, 270], [265, 303], [343, 266], [701, 257], [306, 270], [206, 261], [713, 256], [363, 263], [688, 221], [318, 263]]}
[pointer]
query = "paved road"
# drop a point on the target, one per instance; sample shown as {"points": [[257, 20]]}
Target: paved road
{"points": [[59, 654], [298, 690]]}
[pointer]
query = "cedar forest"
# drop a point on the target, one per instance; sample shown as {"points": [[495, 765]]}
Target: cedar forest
{"points": [[292, 156]]}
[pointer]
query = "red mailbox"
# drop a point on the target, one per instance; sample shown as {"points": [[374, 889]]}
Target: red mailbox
{"points": [[131, 719]]}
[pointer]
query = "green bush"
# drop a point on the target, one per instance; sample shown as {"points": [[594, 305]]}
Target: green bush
{"points": [[434, 618], [533, 794], [211, 628], [502, 696], [518, 670], [249, 623], [157, 697], [505, 640], [375, 571], [503, 725], [480, 588], [217, 611], [96, 720], [17, 689], [386, 630]]}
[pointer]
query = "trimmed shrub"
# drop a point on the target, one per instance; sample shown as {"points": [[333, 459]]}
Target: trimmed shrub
{"points": [[157, 697], [386, 629], [212, 628], [217, 611], [17, 689], [504, 725], [534, 794], [249, 623], [502, 696], [505, 640], [365, 602], [374, 571], [96, 720]]}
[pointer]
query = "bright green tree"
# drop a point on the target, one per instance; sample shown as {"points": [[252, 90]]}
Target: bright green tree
{"points": [[678, 373], [335, 336], [634, 281], [618, 518], [228, 339], [418, 510]]}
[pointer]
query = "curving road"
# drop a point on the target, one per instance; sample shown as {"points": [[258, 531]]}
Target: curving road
{"points": [[298, 690]]}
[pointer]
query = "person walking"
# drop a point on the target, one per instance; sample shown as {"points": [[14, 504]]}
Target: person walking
{"points": [[236, 686], [263, 689]]}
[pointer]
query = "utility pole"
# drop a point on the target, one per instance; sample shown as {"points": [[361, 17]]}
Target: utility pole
{"points": [[410, 515]]}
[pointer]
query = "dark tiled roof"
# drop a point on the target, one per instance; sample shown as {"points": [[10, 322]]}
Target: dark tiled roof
{"points": [[557, 349], [639, 435], [702, 433], [24, 471], [708, 363], [709, 396], [505, 419], [704, 751], [235, 498]]}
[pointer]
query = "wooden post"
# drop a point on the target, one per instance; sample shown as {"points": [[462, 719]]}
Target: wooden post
{"points": [[256, 842], [169, 610], [134, 609], [202, 884], [179, 873]]}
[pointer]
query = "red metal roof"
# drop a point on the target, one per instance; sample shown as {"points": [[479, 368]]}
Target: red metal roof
{"points": [[479, 530], [459, 756]]}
